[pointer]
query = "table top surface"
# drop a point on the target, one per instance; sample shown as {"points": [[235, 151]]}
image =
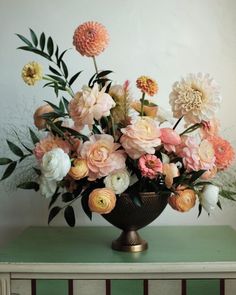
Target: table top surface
{"points": [[167, 244]]}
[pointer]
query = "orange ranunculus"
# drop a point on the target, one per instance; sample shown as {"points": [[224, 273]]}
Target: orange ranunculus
{"points": [[79, 169], [183, 200], [39, 122], [102, 200]]}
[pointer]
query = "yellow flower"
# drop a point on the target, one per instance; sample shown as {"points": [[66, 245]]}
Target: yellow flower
{"points": [[102, 200], [79, 169], [147, 85], [31, 73]]}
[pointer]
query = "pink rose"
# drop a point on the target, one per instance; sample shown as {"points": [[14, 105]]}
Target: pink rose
{"points": [[102, 156], [90, 104], [141, 137], [170, 138]]}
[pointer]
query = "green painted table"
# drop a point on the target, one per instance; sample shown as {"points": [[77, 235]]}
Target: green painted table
{"points": [[175, 252]]}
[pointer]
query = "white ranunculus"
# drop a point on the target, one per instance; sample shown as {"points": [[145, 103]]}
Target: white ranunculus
{"points": [[55, 164], [209, 197], [118, 181], [47, 187]]}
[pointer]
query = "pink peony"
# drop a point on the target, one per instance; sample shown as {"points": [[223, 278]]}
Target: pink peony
{"points": [[90, 104], [48, 143], [90, 39], [170, 138], [150, 166], [196, 155], [141, 137], [102, 156]]}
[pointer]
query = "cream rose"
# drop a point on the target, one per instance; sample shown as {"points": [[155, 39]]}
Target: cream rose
{"points": [[102, 200], [118, 181], [102, 155], [55, 164], [141, 137]]}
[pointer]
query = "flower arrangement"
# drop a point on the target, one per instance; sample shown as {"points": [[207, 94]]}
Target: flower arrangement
{"points": [[99, 141]]}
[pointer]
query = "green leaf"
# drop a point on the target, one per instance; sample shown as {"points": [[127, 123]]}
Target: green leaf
{"points": [[61, 107], [55, 107], [90, 83], [103, 74], [33, 136], [15, 149], [61, 56], [25, 40], [50, 46], [67, 197], [54, 71], [196, 175], [57, 53], [219, 204], [96, 130], [36, 51], [58, 79], [228, 194], [42, 41], [199, 210], [53, 213], [9, 170], [75, 133], [34, 37], [64, 68], [5, 161], [37, 171], [84, 203], [29, 185], [137, 200], [54, 198], [66, 103], [69, 215], [73, 78], [201, 183]]}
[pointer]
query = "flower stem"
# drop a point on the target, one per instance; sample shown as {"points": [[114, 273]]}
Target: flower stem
{"points": [[142, 103], [95, 65], [177, 123]]}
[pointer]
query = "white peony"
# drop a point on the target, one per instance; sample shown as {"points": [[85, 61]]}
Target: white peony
{"points": [[196, 97], [47, 187], [55, 164], [118, 181], [209, 197]]}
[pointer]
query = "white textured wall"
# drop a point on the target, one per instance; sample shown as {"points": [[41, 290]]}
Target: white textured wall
{"points": [[163, 39]]}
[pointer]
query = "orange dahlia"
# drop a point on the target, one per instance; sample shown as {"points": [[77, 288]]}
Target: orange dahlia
{"points": [[90, 39], [224, 152], [147, 85]]}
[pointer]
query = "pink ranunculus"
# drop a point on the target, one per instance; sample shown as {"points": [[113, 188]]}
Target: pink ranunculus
{"points": [[48, 143], [141, 137], [150, 166], [90, 104], [102, 155], [170, 138]]}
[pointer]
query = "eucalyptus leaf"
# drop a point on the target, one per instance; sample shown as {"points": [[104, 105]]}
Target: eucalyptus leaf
{"points": [[15, 149], [5, 161], [69, 215], [29, 185], [9, 170], [42, 41], [53, 213], [34, 37]]}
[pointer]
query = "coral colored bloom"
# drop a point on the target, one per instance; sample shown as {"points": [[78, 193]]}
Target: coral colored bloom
{"points": [[90, 39], [150, 166], [102, 155], [31, 73], [183, 199], [141, 137], [224, 152], [209, 174], [102, 200], [170, 171], [48, 143], [39, 122], [147, 85], [170, 138], [79, 169], [90, 104]]}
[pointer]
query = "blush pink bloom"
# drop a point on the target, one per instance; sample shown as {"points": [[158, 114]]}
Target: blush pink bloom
{"points": [[210, 128], [102, 156], [224, 152], [48, 143], [141, 137], [170, 138], [90, 39], [196, 155], [90, 104], [150, 166]]}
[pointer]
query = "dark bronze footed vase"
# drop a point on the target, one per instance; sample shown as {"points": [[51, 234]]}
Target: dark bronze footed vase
{"points": [[130, 217]]}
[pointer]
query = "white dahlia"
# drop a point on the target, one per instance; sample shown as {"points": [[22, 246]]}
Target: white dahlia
{"points": [[196, 97]]}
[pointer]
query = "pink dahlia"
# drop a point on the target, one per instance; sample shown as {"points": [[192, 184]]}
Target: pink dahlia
{"points": [[102, 156], [224, 152], [170, 138], [90, 39], [150, 166], [48, 143]]}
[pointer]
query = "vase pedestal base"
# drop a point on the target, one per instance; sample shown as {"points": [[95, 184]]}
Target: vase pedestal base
{"points": [[129, 241]]}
